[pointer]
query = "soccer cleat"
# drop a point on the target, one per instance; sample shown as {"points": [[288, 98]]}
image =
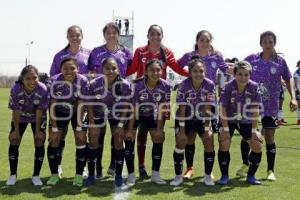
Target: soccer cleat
{"points": [[90, 180], [156, 178], [271, 176], [60, 171], [242, 172], [53, 180], [12, 179], [224, 180], [131, 179], [189, 173], [85, 173], [99, 175], [178, 180], [208, 180], [143, 173], [111, 172], [298, 122], [252, 180], [78, 181], [36, 181]]}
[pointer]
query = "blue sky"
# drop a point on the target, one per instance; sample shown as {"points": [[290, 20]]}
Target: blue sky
{"points": [[235, 25]]}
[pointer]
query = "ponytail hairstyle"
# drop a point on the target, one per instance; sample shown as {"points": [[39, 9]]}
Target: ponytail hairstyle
{"points": [[195, 60], [162, 47], [69, 30], [74, 60], [269, 33], [242, 65], [210, 40], [118, 88], [24, 71]]}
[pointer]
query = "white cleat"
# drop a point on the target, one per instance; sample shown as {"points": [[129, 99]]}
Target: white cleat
{"points": [[60, 171], [155, 178], [12, 179], [271, 176], [178, 180], [85, 173], [208, 180], [131, 179], [36, 181]]}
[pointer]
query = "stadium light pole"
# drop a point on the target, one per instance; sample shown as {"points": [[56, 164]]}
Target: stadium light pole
{"points": [[28, 44]]}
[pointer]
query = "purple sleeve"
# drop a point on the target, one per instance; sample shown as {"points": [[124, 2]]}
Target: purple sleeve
{"points": [[184, 60], [168, 94], [91, 61], [127, 91], [221, 63], [211, 94], [225, 97], [44, 103], [135, 97], [55, 67], [84, 90], [13, 104], [256, 98], [286, 75], [180, 98]]}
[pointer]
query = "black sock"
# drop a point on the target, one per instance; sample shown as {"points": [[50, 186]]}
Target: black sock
{"points": [[112, 154], [129, 156], [13, 156], [100, 153], [189, 155], [119, 161], [224, 160], [91, 160], [209, 159], [254, 160], [245, 150], [178, 158], [80, 159], [61, 148], [52, 154], [271, 153], [156, 156], [38, 160]]}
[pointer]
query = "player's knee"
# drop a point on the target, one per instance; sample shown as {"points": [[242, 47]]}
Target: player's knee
{"points": [[13, 139], [224, 142], [80, 139], [39, 139], [158, 138]]}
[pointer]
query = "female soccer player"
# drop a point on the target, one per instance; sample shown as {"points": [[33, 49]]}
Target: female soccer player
{"points": [[153, 50], [151, 102], [28, 102], [213, 61], [68, 91], [240, 102], [73, 49], [113, 95], [195, 97], [268, 70], [112, 48]]}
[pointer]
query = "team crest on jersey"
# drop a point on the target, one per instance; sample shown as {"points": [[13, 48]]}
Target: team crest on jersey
{"points": [[122, 60], [36, 101], [214, 65], [273, 70], [21, 101], [157, 97], [254, 68]]}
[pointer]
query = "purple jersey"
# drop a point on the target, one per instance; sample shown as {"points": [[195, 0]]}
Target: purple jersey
{"points": [[29, 103], [122, 55], [196, 99], [81, 57], [268, 74], [213, 62], [149, 100], [67, 95], [237, 103], [110, 99]]}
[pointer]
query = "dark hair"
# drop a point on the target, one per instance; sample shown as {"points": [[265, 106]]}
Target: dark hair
{"points": [[118, 88], [162, 47], [24, 71], [199, 35], [269, 33], [110, 25], [232, 60], [152, 62], [195, 60], [67, 60], [43, 77], [298, 63], [242, 65], [69, 30]]}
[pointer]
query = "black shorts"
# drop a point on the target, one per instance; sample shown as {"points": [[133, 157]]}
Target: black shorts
{"points": [[192, 126], [23, 126], [147, 122], [245, 130], [62, 124], [269, 122], [297, 95]]}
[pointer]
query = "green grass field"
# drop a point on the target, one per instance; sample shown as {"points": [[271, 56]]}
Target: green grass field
{"points": [[287, 170]]}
